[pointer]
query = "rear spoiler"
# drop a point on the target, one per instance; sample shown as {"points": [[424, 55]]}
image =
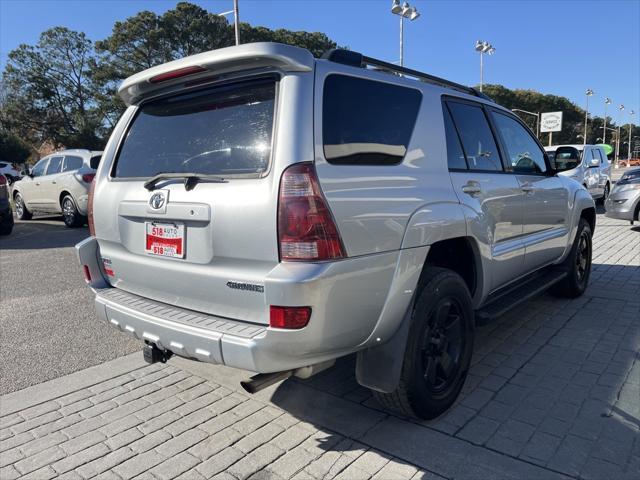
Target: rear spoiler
{"points": [[224, 60]]}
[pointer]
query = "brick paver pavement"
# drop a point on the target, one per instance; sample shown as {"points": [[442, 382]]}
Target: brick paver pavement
{"points": [[554, 392]]}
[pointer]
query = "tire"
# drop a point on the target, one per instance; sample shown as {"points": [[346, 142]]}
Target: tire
{"points": [[21, 209], [441, 334], [6, 226], [70, 214], [605, 194], [577, 265]]}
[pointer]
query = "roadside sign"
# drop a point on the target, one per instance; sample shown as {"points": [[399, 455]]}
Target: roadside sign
{"points": [[551, 122]]}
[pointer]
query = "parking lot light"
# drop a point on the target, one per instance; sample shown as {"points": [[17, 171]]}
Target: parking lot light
{"points": [[236, 19], [607, 101], [631, 114], [617, 157], [404, 11], [588, 93], [483, 47]]}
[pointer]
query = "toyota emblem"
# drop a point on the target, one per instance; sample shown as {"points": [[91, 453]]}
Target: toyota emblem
{"points": [[157, 200]]}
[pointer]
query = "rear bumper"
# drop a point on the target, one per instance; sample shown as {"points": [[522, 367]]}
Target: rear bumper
{"points": [[354, 302]]}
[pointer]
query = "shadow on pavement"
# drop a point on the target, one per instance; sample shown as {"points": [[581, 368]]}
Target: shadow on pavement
{"points": [[42, 233], [555, 383]]}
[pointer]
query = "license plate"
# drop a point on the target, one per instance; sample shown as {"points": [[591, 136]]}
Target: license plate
{"points": [[164, 239]]}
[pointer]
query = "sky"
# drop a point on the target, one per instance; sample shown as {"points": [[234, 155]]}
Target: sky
{"points": [[560, 47]]}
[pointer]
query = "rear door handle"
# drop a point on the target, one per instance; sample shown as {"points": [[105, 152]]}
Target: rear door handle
{"points": [[471, 188], [527, 187], [53, 181]]}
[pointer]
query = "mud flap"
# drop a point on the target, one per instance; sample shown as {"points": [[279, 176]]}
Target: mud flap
{"points": [[379, 367]]}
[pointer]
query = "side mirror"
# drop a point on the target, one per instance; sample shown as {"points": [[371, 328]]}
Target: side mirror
{"points": [[94, 162], [594, 162]]}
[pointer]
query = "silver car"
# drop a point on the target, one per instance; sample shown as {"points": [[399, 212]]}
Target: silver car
{"points": [[586, 164], [624, 201], [262, 209], [58, 183]]}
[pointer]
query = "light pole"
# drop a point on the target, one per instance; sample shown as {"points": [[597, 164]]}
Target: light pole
{"points": [[631, 114], [236, 19], [537, 115], [607, 101], [404, 11], [588, 93], [620, 109], [483, 47]]}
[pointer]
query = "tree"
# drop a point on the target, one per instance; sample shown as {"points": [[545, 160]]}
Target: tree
{"points": [[12, 149], [48, 91], [148, 39], [572, 117]]}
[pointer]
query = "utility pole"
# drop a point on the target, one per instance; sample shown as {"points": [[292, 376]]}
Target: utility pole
{"points": [[631, 113], [236, 18], [607, 101]]}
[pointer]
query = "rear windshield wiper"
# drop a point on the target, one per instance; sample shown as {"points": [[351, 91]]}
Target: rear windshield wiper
{"points": [[190, 179]]}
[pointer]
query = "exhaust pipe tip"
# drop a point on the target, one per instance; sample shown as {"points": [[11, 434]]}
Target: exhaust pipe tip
{"points": [[263, 380]]}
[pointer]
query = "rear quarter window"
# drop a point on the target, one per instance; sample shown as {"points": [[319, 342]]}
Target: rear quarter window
{"points": [[71, 163], [366, 122], [223, 131]]}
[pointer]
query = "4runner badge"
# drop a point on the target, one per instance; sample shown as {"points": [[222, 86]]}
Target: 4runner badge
{"points": [[158, 201]]}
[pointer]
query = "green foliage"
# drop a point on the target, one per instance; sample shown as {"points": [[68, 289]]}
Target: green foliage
{"points": [[64, 89], [12, 148], [572, 117], [47, 92]]}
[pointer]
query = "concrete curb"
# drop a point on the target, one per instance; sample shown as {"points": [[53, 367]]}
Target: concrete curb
{"points": [[43, 392]]}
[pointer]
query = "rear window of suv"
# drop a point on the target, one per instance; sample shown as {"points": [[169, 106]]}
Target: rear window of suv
{"points": [[223, 131], [367, 122]]}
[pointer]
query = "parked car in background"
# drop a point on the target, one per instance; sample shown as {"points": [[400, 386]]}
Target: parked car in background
{"points": [[624, 201], [296, 210], [6, 215], [59, 183], [11, 173], [586, 164]]}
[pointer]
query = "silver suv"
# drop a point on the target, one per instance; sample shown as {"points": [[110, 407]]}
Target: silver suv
{"points": [[259, 208], [59, 183], [586, 164]]}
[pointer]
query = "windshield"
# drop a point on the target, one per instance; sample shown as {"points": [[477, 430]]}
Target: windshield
{"points": [[630, 177], [222, 131]]}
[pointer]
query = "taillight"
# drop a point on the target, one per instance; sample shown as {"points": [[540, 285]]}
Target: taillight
{"points": [[3, 180], [289, 317], [180, 72], [88, 177], [306, 230], [92, 228]]}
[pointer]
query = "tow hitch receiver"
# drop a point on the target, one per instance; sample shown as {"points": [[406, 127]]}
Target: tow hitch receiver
{"points": [[153, 354]]}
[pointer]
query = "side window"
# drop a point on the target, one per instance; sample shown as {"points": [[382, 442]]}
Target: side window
{"points": [[71, 163], [39, 168], [455, 155], [365, 122], [477, 140], [54, 165], [603, 157], [525, 156]]}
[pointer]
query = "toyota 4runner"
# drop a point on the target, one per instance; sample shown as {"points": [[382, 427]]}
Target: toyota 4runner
{"points": [[259, 208]]}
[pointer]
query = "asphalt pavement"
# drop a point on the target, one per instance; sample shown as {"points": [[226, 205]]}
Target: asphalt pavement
{"points": [[48, 327]]}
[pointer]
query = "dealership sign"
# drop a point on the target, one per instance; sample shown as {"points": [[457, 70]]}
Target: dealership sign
{"points": [[551, 122]]}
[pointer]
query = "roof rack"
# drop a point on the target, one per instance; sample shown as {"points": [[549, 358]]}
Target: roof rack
{"points": [[355, 59]]}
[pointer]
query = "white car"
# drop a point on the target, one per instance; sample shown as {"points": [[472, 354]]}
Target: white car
{"points": [[10, 172], [586, 164], [59, 183]]}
